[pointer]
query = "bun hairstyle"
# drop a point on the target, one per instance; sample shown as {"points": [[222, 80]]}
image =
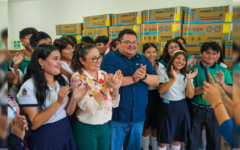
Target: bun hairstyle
{"points": [[81, 51]]}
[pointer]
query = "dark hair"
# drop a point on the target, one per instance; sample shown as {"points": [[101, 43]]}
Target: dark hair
{"points": [[236, 50], [24, 32], [221, 58], [102, 39], [35, 71], [177, 38], [81, 50], [183, 71], [213, 45], [125, 31], [165, 56], [113, 44], [4, 33], [73, 39], [62, 43], [87, 39], [147, 45], [36, 37]]}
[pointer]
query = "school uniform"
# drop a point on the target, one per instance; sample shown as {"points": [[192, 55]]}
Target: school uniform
{"points": [[23, 65], [222, 64], [153, 100], [202, 112], [173, 115], [14, 90], [56, 133], [166, 63], [66, 67]]}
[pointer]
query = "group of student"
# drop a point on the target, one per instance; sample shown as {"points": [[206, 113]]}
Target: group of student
{"points": [[104, 95]]}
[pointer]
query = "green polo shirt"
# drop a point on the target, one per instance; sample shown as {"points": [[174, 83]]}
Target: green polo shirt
{"points": [[165, 64], [4, 66], [200, 78], [23, 65]]}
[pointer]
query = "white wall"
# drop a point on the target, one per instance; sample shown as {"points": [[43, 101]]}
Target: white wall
{"points": [[45, 14], [3, 15]]}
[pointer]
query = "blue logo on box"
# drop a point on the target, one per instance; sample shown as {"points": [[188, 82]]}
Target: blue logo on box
{"points": [[176, 34], [215, 9], [166, 28], [170, 10], [152, 19], [166, 10], [217, 29], [196, 19], [227, 35], [161, 28], [209, 29], [200, 44], [220, 9]]}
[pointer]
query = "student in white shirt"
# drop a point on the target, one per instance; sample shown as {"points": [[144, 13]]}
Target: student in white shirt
{"points": [[173, 125], [66, 47], [91, 130], [150, 51], [44, 97]]}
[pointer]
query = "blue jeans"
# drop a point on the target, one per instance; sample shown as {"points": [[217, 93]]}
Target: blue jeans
{"points": [[128, 134]]}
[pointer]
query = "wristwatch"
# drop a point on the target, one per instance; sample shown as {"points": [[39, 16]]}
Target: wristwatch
{"points": [[145, 77]]}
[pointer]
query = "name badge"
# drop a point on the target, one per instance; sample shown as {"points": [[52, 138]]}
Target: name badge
{"points": [[166, 101]]}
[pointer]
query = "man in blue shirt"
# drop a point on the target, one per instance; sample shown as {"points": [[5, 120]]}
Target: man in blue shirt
{"points": [[126, 126]]}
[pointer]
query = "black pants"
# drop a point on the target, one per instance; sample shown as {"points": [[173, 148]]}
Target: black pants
{"points": [[200, 116]]}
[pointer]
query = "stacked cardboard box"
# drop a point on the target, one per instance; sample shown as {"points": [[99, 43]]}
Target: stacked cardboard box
{"points": [[69, 29], [114, 31], [162, 15], [95, 32], [219, 14], [97, 21], [129, 18], [159, 32]]}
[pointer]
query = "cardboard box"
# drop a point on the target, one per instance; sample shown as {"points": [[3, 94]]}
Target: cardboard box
{"points": [[97, 21], [157, 32], [129, 18], [161, 15], [115, 30], [159, 45], [229, 63], [78, 37], [228, 48], [69, 29], [95, 32], [219, 14], [206, 32], [194, 47]]}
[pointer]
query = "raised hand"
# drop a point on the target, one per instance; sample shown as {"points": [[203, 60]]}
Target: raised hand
{"points": [[219, 78], [16, 79], [173, 73], [62, 94], [79, 93], [19, 57], [142, 71], [190, 61], [110, 81], [191, 74], [119, 80]]}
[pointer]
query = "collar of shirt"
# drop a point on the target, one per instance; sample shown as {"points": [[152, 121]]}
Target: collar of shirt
{"points": [[57, 85], [107, 51], [100, 75], [119, 54], [26, 59], [212, 67]]}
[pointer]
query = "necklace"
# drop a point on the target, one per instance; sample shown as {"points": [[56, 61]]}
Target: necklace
{"points": [[51, 82]]}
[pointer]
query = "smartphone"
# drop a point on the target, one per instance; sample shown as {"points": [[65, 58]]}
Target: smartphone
{"points": [[206, 73]]}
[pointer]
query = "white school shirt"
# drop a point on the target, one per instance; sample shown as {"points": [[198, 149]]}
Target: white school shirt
{"points": [[160, 66], [177, 90], [66, 67], [223, 65], [27, 98], [14, 90]]}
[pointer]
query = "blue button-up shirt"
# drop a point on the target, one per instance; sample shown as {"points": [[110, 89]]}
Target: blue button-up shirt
{"points": [[134, 97]]}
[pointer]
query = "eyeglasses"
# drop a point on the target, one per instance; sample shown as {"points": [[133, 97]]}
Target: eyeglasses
{"points": [[95, 60], [27, 38], [173, 47], [129, 43]]}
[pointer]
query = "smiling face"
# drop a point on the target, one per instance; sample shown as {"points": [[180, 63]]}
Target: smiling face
{"points": [[179, 62], [209, 56], [102, 48], [67, 53], [172, 48], [26, 42], [151, 54], [128, 45], [52, 64], [92, 61]]}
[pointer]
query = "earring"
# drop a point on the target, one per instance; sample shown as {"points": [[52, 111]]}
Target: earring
{"points": [[42, 67]]}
